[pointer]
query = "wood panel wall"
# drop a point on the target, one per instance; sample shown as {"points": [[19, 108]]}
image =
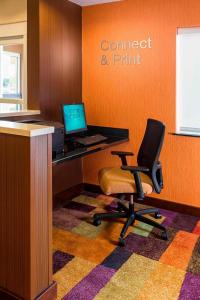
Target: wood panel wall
{"points": [[54, 55], [60, 56], [25, 215], [55, 68], [33, 54]]}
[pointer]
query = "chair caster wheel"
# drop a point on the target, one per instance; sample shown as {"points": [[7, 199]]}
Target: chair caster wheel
{"points": [[121, 242], [164, 235], [157, 216], [96, 222], [119, 209]]}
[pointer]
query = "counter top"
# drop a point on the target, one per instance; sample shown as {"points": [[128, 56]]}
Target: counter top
{"points": [[22, 129], [25, 112]]}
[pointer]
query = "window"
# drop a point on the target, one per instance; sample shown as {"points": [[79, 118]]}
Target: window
{"points": [[13, 67], [188, 81]]}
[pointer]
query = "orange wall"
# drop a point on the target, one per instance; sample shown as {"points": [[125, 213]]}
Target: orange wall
{"points": [[125, 96]]}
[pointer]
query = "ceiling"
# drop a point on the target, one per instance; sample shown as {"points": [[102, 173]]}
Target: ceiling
{"points": [[92, 2]]}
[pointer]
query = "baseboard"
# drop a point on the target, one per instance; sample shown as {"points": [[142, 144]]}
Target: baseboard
{"points": [[5, 295], [61, 199], [49, 294], [160, 203], [93, 188], [174, 206]]}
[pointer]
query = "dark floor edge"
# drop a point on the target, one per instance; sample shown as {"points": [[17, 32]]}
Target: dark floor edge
{"points": [[62, 198], [160, 203], [49, 294], [6, 295]]}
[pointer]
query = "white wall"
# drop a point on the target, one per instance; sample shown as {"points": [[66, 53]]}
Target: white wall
{"points": [[12, 11]]}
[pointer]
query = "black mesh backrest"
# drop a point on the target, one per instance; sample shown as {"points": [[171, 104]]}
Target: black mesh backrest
{"points": [[151, 145]]}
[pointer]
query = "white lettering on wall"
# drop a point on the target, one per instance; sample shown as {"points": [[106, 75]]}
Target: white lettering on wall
{"points": [[114, 51]]}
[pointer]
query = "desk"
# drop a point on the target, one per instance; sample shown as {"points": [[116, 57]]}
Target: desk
{"points": [[114, 136], [67, 166]]}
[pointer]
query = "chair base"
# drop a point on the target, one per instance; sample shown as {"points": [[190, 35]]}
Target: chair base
{"points": [[131, 215]]}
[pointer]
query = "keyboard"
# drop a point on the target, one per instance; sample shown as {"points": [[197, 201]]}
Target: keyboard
{"points": [[90, 140]]}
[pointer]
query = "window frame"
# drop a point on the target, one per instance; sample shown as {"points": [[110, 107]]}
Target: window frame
{"points": [[180, 128], [16, 33]]}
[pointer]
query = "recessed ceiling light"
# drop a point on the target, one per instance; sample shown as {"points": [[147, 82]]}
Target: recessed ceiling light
{"points": [[92, 2]]}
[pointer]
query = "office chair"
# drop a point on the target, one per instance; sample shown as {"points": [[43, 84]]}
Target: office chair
{"points": [[135, 181]]}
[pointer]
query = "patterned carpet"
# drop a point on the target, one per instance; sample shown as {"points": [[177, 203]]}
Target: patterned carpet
{"points": [[88, 264]]}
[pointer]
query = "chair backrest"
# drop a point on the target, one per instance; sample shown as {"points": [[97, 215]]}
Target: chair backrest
{"points": [[149, 152]]}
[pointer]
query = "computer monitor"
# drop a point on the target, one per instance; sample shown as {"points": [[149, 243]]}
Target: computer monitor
{"points": [[74, 118]]}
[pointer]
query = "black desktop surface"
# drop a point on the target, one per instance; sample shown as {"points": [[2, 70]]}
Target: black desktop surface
{"points": [[73, 150]]}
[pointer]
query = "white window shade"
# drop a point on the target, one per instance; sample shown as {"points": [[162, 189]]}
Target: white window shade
{"points": [[188, 80]]}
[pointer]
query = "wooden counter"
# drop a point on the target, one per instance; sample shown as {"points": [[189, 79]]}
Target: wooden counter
{"points": [[24, 112], [23, 129], [26, 212]]}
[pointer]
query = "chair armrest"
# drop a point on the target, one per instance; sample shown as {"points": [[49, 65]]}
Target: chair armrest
{"points": [[135, 169], [122, 155]]}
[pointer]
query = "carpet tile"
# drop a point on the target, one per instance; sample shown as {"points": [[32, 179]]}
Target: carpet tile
{"points": [[60, 259], [79, 206], [89, 287], [155, 233], [197, 228], [194, 264], [129, 279], [163, 283], [142, 229], [88, 229], [191, 287], [88, 263], [169, 216], [105, 199], [184, 243], [148, 247], [71, 274], [81, 246], [184, 222], [117, 258], [63, 219], [84, 199], [112, 231]]}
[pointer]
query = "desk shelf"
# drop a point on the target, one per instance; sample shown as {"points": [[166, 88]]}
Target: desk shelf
{"points": [[114, 136]]}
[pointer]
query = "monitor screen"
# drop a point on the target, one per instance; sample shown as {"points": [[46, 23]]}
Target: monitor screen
{"points": [[74, 118]]}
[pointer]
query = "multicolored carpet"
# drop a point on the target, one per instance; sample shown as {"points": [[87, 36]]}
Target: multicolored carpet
{"points": [[88, 263]]}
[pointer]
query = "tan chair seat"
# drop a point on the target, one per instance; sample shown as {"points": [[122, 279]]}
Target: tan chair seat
{"points": [[118, 181]]}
